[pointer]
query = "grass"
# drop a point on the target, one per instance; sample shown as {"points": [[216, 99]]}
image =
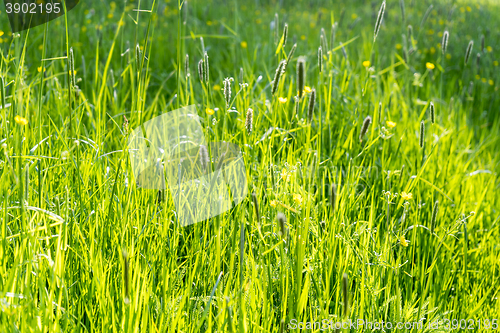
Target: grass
{"points": [[339, 226]]}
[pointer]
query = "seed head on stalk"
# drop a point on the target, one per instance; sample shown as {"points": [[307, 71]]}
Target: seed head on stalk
{"points": [[249, 121], [301, 75], [444, 41], [207, 68], [227, 90], [364, 127], [285, 34], [320, 59], [433, 115], [201, 70], [468, 52], [277, 76], [422, 134], [434, 215], [282, 222], [379, 20], [312, 101]]}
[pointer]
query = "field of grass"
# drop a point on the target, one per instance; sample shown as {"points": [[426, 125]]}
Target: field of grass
{"points": [[392, 218]]}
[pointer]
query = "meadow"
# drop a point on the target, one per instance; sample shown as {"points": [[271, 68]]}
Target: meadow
{"points": [[370, 132]]}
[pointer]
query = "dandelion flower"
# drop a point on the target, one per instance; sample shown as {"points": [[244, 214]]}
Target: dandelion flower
{"points": [[403, 241], [282, 100], [20, 120], [244, 44], [210, 111], [390, 124], [430, 65], [366, 63], [406, 196], [307, 89]]}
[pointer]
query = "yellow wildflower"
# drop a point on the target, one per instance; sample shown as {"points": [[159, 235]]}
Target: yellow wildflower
{"points": [[406, 196], [40, 69], [285, 176], [399, 46], [282, 100], [366, 63], [430, 65], [403, 241], [20, 120], [216, 87], [298, 199], [307, 89], [491, 82], [489, 48], [1, 33], [390, 124], [244, 44], [210, 111], [273, 203]]}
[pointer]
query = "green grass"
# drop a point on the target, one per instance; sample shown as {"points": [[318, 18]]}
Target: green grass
{"points": [[82, 248]]}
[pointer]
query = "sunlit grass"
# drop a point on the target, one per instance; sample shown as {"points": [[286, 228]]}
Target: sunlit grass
{"points": [[356, 189]]}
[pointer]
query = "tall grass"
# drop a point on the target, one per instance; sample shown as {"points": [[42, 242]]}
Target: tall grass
{"points": [[345, 220]]}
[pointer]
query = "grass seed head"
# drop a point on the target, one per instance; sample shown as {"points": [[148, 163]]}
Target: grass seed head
{"points": [[201, 70], [320, 59], [227, 90], [434, 216], [379, 20], [468, 52], [323, 39], [301, 75], [277, 76], [249, 121], [345, 294], [380, 112], [204, 159], [478, 59], [282, 222], [334, 30], [364, 127], [344, 53], [138, 55], [72, 74], [422, 134], [256, 205], [186, 64], [433, 115], [207, 68], [285, 34], [312, 102], [426, 15], [444, 41], [410, 36]]}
